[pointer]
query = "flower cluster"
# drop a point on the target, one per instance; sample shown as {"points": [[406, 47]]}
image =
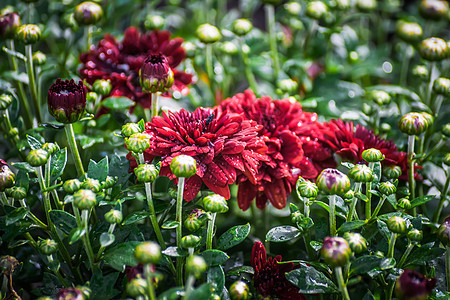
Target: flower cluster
{"points": [[120, 62]]}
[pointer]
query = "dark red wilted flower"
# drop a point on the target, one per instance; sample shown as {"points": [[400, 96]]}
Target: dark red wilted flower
{"points": [[224, 144], [413, 285], [269, 278], [280, 119], [66, 100], [120, 62]]}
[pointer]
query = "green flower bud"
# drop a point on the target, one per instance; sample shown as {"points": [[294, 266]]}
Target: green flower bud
{"points": [[91, 184], [5, 101], [404, 203], [109, 182], [239, 290], [214, 297], [215, 203], [50, 148], [288, 86], [413, 123], [84, 199], [190, 241], [7, 177], [146, 173], [102, 87], [114, 216], [48, 246], [183, 166], [366, 5], [13, 132], [372, 155], [241, 27], [410, 32], [71, 186], [307, 189], [444, 231], [18, 192], [421, 72], [441, 86], [446, 160], [356, 241], [208, 34], [415, 235], [342, 4], [37, 157], [349, 195], [429, 118], [387, 188], [190, 49], [392, 171], [446, 130], [153, 22], [297, 217], [385, 127], [396, 224], [70, 22], [138, 142], [130, 129], [433, 49], [316, 10], [148, 253], [361, 173], [193, 222], [335, 251], [39, 58], [229, 48], [28, 34], [137, 287], [195, 265], [433, 9], [333, 182], [380, 97], [91, 97], [293, 8], [88, 13]]}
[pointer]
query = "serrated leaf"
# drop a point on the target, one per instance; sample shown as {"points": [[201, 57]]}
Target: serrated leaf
{"points": [[311, 281], [122, 255], [421, 200], [98, 170], [117, 102], [63, 220], [233, 236], [282, 234], [33, 142]]}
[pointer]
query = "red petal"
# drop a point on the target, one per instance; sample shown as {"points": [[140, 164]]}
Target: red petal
{"points": [[246, 194]]}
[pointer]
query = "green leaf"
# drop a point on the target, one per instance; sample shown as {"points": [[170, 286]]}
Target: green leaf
{"points": [[237, 271], [214, 257], [421, 200], [63, 220], [216, 277], [106, 239], [122, 255], [175, 252], [327, 208], [57, 164], [135, 217], [119, 167], [172, 294], [311, 281], [233, 236], [424, 255], [170, 225], [377, 172], [87, 141], [22, 179], [33, 142], [392, 200], [364, 264], [349, 226], [117, 102], [102, 286], [17, 243], [76, 234], [24, 166], [396, 90], [202, 292], [98, 170], [16, 215], [15, 54], [282, 234]]}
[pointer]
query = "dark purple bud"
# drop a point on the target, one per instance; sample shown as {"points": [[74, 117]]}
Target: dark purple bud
{"points": [[413, 285], [8, 25], [69, 294], [155, 74], [335, 251], [66, 100]]}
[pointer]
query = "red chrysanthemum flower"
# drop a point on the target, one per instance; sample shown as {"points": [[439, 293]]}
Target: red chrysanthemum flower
{"points": [[280, 119], [224, 144], [349, 142], [269, 278], [120, 62]]}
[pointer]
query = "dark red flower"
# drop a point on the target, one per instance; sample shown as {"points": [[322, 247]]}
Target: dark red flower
{"points": [[224, 144], [120, 62], [413, 285], [66, 100], [70, 293], [280, 119], [269, 278]]}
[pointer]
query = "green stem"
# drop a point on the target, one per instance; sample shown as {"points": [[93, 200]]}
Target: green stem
{"points": [[149, 277], [404, 67], [443, 196], [189, 286], [46, 199], [341, 283], [210, 232], [4, 198], [28, 118], [405, 255], [32, 82], [354, 201], [74, 149], [58, 204], [147, 114], [447, 267], [378, 208], [86, 240], [179, 231], [88, 32], [390, 291], [307, 235], [100, 251], [154, 105], [432, 151], [210, 69], [437, 107], [411, 181], [433, 76], [32, 216], [332, 217], [270, 21], [392, 245], [369, 195], [247, 68]]}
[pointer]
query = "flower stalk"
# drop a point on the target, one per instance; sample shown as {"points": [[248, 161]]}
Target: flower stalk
{"points": [[210, 231], [405, 255], [74, 149], [354, 202], [447, 267], [411, 180], [392, 240], [341, 283], [332, 217], [154, 105], [32, 82], [86, 240], [179, 230], [247, 68], [270, 21], [442, 199], [369, 195], [149, 277]]}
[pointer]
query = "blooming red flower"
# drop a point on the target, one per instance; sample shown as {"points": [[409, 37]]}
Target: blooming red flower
{"points": [[224, 144], [120, 62], [269, 278], [280, 119]]}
